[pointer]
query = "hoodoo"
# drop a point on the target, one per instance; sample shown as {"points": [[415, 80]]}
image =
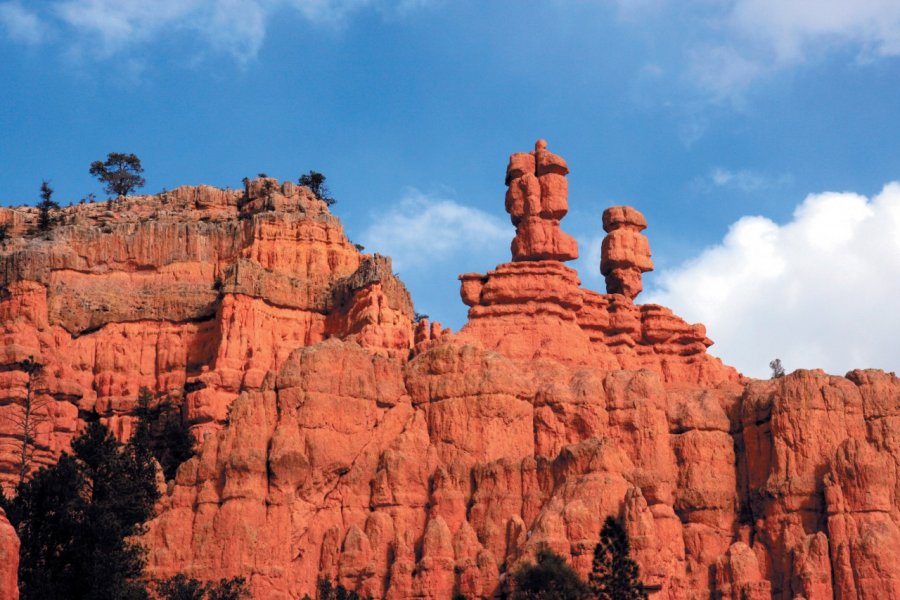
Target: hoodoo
{"points": [[341, 439]]}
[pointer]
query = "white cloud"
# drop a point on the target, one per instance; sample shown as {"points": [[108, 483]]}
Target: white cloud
{"points": [[423, 231], [791, 29], [20, 24], [743, 180], [818, 292], [752, 39], [103, 28]]}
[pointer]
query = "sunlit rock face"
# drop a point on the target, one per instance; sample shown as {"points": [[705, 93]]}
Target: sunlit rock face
{"points": [[342, 439]]}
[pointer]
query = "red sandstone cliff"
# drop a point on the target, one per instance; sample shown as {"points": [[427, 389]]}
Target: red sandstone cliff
{"points": [[408, 461]]}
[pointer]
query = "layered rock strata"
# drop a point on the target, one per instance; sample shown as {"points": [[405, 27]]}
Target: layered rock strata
{"points": [[196, 293], [407, 461]]}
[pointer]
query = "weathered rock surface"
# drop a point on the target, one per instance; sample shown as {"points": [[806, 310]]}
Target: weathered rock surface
{"points": [[407, 461], [9, 560]]}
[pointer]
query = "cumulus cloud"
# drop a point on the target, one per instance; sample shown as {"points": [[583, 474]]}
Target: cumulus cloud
{"points": [[20, 24], [423, 231], [819, 291], [103, 28]]}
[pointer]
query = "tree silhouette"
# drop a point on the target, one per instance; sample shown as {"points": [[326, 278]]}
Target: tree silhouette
{"points": [[26, 418], [120, 172], [614, 575], [180, 587], [315, 181], [45, 219], [550, 578], [76, 521], [777, 369], [161, 428]]}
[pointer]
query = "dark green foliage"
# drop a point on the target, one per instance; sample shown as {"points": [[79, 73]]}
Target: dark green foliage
{"points": [[315, 181], [161, 428], [45, 218], [229, 589], [615, 576], [74, 520], [181, 587], [549, 579], [120, 172], [328, 591], [777, 368]]}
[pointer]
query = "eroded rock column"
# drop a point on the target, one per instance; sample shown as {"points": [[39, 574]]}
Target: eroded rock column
{"points": [[625, 251]]}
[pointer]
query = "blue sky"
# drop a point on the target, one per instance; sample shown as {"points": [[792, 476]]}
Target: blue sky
{"points": [[704, 114]]}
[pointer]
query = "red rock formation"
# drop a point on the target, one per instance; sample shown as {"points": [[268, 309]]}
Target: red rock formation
{"points": [[405, 461], [9, 560], [196, 293], [538, 197], [626, 252]]}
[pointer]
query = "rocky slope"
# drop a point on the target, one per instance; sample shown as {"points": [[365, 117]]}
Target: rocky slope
{"points": [[342, 439]]}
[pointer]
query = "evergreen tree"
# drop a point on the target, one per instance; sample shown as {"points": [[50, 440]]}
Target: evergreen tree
{"points": [[549, 579], [26, 418], [74, 521], [614, 575], [120, 172], [181, 587], [162, 429], [315, 181], [777, 369], [45, 219], [329, 591]]}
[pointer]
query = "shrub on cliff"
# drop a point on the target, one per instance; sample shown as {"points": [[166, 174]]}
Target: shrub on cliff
{"points": [[181, 587], [777, 369], [550, 578], [315, 181], [75, 520], [614, 575], [120, 172]]}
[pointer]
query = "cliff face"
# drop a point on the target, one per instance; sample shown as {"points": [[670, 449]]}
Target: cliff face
{"points": [[342, 439]]}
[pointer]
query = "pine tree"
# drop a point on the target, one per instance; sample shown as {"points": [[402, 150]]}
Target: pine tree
{"points": [[26, 418], [315, 181], [45, 219], [120, 172], [614, 575], [181, 587], [549, 579], [75, 520], [161, 428]]}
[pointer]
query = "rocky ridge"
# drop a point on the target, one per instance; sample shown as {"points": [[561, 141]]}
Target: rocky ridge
{"points": [[342, 439]]}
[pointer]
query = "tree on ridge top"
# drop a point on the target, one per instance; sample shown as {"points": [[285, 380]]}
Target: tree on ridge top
{"points": [[120, 172], [315, 181]]}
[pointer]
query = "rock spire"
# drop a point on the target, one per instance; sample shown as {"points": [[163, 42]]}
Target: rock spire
{"points": [[538, 197], [625, 252]]}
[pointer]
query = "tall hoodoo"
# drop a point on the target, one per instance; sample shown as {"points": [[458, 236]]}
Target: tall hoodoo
{"points": [[625, 252], [538, 197]]}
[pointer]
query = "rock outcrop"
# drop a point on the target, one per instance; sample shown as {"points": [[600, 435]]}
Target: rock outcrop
{"points": [[403, 460], [9, 560]]}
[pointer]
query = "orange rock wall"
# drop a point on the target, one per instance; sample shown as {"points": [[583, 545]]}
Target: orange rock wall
{"points": [[195, 293], [9, 560], [341, 439]]}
